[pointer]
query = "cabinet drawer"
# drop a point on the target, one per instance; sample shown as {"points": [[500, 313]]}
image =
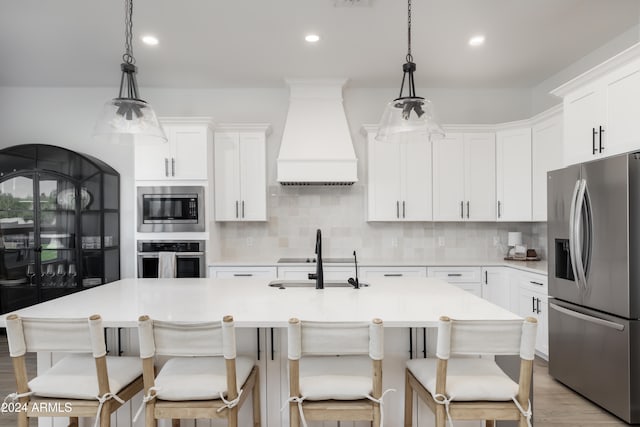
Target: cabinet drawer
{"points": [[455, 274], [302, 273], [242, 272], [532, 281], [375, 272]]}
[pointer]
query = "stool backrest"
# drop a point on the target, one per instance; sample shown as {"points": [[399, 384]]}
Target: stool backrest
{"points": [[30, 334], [187, 339], [308, 338], [490, 337]]}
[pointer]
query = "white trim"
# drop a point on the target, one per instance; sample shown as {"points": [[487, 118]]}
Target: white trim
{"points": [[598, 71], [186, 121]]}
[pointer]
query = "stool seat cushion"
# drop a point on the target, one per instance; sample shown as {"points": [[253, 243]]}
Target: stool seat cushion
{"points": [[335, 377], [468, 379], [198, 378], [74, 377]]}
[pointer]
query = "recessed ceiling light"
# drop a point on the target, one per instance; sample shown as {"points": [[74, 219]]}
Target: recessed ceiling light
{"points": [[150, 40], [476, 40], [312, 38]]}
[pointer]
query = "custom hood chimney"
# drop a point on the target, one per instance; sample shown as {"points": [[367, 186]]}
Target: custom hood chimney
{"points": [[316, 146]]}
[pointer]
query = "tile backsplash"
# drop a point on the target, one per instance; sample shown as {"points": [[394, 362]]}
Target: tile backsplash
{"points": [[295, 212]]}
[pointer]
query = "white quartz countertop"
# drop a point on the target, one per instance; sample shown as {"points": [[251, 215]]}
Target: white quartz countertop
{"points": [[399, 302], [539, 267]]}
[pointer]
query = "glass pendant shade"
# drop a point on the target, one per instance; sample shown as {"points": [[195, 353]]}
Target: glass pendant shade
{"points": [[126, 116], [408, 115]]}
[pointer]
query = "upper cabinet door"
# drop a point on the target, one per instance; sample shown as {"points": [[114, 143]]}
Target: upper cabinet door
{"points": [[153, 161], [448, 178], [513, 161], [253, 177], [416, 176], [189, 144], [480, 177], [546, 156], [622, 91], [384, 193], [227, 176], [583, 112]]}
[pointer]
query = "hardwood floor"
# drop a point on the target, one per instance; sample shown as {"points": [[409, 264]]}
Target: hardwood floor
{"points": [[554, 405]]}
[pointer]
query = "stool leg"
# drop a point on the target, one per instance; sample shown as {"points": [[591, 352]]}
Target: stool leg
{"points": [[489, 423], [408, 401], [73, 421], [441, 416], [23, 421], [376, 415], [294, 417], [105, 415], [175, 423], [256, 400], [233, 417]]}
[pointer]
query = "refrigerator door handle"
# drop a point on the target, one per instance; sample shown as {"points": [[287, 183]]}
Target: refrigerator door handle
{"points": [[572, 236], [596, 320], [582, 279]]}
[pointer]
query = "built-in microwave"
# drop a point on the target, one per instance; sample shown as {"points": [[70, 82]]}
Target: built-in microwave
{"points": [[171, 209]]}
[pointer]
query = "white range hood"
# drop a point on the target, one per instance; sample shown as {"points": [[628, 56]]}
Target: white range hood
{"points": [[316, 146]]}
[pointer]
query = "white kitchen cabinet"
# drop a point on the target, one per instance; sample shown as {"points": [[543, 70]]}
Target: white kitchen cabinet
{"points": [[467, 278], [183, 157], [601, 108], [227, 272], [240, 173], [399, 180], [546, 155], [513, 174], [532, 301], [496, 286], [464, 186]]}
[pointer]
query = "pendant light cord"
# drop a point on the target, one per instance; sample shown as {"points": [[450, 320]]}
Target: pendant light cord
{"points": [[409, 56], [128, 33]]}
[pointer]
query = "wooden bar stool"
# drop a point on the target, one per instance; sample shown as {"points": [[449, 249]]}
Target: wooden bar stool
{"points": [[202, 379], [473, 388], [335, 371], [78, 385]]}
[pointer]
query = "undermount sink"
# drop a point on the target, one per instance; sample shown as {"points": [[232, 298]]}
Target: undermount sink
{"points": [[283, 284]]}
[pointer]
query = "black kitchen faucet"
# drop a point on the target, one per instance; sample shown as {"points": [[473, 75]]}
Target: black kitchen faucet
{"points": [[319, 276]]}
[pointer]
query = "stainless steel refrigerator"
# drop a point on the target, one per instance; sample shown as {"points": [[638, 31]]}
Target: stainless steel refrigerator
{"points": [[594, 281]]}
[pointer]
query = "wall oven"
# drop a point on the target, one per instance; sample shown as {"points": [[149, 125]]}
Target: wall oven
{"points": [[189, 257], [171, 209]]}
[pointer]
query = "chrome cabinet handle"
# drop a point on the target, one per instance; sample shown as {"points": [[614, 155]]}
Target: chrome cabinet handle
{"points": [[461, 209], [535, 283], [166, 167], [467, 209], [601, 132], [593, 140], [499, 211], [403, 210], [242, 275], [486, 277], [397, 209], [533, 304], [393, 275], [243, 209], [173, 166], [454, 274], [236, 209]]}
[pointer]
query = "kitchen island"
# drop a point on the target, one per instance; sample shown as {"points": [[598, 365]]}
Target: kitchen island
{"points": [[261, 313]]}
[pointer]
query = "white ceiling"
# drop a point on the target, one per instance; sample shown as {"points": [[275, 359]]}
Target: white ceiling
{"points": [[256, 43]]}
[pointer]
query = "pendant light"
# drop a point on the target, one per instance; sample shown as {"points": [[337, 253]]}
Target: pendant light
{"points": [[128, 114], [408, 115]]}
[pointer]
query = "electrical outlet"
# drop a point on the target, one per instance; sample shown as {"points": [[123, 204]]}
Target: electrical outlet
{"points": [[394, 242], [441, 241], [496, 240]]}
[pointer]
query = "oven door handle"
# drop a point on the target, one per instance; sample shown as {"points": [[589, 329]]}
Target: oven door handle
{"points": [[178, 254]]}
